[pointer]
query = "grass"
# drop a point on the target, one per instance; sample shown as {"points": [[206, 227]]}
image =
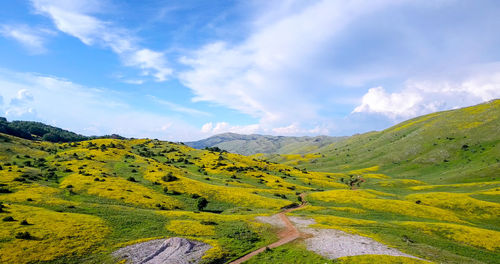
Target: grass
{"points": [[289, 254], [425, 193]]}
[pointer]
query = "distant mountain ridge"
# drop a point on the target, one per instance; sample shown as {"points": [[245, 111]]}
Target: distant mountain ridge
{"points": [[255, 143]]}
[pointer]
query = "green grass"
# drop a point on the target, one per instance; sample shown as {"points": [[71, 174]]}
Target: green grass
{"points": [[429, 149], [289, 254]]}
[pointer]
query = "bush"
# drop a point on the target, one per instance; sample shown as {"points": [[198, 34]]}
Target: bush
{"points": [[8, 219], [169, 177], [208, 223], [132, 179], [24, 222], [23, 235], [202, 203], [4, 190]]}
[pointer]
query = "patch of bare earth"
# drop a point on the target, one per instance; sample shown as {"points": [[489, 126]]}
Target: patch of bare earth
{"points": [[333, 243], [273, 220], [173, 250]]}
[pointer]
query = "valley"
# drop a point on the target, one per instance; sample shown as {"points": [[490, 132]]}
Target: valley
{"points": [[428, 187]]}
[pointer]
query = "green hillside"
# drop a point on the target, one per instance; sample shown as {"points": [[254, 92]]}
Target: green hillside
{"points": [[253, 144], [456, 146], [120, 191], [428, 187]]}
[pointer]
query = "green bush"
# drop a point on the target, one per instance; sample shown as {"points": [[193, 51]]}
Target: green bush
{"points": [[23, 235], [8, 219]]}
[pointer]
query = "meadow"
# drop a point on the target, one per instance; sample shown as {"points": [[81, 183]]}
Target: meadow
{"points": [[430, 188]]}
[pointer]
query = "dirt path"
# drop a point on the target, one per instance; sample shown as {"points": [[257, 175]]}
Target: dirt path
{"points": [[289, 234]]}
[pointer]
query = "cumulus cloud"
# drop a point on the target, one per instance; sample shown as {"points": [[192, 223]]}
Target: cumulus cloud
{"points": [[294, 129], [302, 64], [83, 109], [269, 74], [33, 39], [76, 18], [19, 106], [425, 96], [223, 127]]}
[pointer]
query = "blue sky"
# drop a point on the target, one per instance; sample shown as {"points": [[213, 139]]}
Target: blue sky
{"points": [[185, 70]]}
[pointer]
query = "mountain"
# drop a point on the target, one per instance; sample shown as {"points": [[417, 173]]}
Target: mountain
{"points": [[456, 146], [253, 144]]}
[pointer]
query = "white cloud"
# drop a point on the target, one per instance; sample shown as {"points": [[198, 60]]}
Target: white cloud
{"points": [[271, 75], [287, 130], [84, 109], [75, 18], [33, 39], [19, 106], [294, 129], [223, 127], [133, 81], [420, 97], [147, 59], [376, 100], [179, 108]]}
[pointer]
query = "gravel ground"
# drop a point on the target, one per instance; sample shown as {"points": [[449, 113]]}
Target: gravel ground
{"points": [[333, 243], [273, 220], [163, 251]]}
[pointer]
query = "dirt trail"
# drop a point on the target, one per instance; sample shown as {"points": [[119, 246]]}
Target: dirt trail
{"points": [[289, 234]]}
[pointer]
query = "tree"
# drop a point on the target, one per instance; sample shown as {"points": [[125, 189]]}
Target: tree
{"points": [[103, 147], [202, 203], [353, 181]]}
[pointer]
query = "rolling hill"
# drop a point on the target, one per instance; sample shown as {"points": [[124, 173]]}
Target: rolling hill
{"points": [[456, 146], [253, 144], [427, 187]]}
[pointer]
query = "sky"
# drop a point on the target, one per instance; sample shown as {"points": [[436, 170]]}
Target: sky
{"points": [[184, 70]]}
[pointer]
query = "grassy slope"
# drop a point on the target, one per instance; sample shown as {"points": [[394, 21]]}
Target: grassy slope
{"points": [[447, 161], [455, 146], [118, 187], [413, 200]]}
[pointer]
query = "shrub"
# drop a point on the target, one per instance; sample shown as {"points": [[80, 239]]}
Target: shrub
{"points": [[353, 181], [23, 235], [132, 179], [208, 223], [8, 219], [4, 190], [202, 203], [169, 177], [24, 222]]}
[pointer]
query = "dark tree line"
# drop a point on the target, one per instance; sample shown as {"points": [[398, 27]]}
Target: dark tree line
{"points": [[40, 131]]}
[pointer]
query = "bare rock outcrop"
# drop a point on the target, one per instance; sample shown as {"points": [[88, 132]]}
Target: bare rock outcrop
{"points": [[163, 251]]}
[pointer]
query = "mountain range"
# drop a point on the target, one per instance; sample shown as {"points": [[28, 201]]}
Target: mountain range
{"points": [[253, 144]]}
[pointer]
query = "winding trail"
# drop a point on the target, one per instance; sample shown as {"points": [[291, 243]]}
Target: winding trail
{"points": [[289, 234]]}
